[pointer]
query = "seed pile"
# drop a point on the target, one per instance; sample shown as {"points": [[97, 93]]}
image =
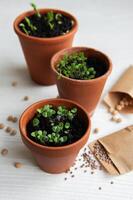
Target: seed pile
{"points": [[87, 162], [124, 102], [101, 153]]}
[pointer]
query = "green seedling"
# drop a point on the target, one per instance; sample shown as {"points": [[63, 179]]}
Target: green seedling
{"points": [[24, 29], [36, 10], [59, 122], [31, 26], [75, 66], [50, 19], [47, 111]]}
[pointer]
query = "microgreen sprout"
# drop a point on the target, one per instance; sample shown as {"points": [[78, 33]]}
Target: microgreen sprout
{"points": [[31, 26], [24, 28], [46, 111], [75, 66], [59, 122], [36, 10], [50, 19]]}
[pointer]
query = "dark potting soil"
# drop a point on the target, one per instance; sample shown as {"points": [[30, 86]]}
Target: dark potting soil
{"points": [[43, 29], [78, 128], [98, 64]]}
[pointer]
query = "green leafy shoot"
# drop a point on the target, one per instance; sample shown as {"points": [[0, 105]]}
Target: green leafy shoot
{"points": [[46, 111], [36, 10], [50, 19], [31, 26], [59, 122], [24, 28], [75, 66], [36, 122], [40, 135]]}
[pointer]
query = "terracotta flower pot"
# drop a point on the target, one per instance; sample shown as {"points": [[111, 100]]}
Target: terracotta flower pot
{"points": [[38, 51], [53, 159], [85, 92]]}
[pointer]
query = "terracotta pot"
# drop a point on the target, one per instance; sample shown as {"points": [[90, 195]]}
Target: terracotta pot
{"points": [[85, 92], [54, 159], [38, 51]]}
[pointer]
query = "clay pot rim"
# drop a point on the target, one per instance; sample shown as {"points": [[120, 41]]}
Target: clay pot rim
{"points": [[39, 39], [46, 101], [80, 48]]}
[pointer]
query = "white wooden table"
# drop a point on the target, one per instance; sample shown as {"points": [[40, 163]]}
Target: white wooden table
{"points": [[104, 24]]}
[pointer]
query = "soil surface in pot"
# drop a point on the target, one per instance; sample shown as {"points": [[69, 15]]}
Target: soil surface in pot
{"points": [[46, 25], [81, 67], [56, 126]]}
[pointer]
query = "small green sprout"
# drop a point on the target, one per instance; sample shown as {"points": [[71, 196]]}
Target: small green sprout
{"points": [[50, 19], [75, 66], [46, 111], [36, 122], [24, 28], [58, 124], [40, 135], [36, 10], [67, 125], [31, 26]]}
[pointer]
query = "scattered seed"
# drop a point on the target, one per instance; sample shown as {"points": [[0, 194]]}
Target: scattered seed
{"points": [[8, 129], [17, 164], [13, 132], [71, 172], [96, 130], [85, 171], [110, 110], [26, 98], [92, 172], [99, 188], [65, 178], [111, 182], [72, 176], [15, 119], [119, 120], [9, 118], [118, 107], [14, 83], [4, 152], [115, 112], [2, 126]]}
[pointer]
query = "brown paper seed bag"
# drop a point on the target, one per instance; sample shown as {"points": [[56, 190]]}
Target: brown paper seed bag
{"points": [[119, 148], [122, 88]]}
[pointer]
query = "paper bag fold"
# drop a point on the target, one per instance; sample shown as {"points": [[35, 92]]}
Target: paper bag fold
{"points": [[123, 87], [119, 148]]}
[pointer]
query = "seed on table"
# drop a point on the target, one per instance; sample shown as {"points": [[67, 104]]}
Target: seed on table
{"points": [[8, 129], [13, 132], [118, 120], [118, 107], [4, 152], [99, 188], [9, 118], [65, 178], [115, 112], [14, 83], [111, 182], [26, 98], [96, 130], [85, 171], [111, 110], [2, 126], [17, 164], [15, 119], [72, 176], [113, 119], [92, 172]]}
